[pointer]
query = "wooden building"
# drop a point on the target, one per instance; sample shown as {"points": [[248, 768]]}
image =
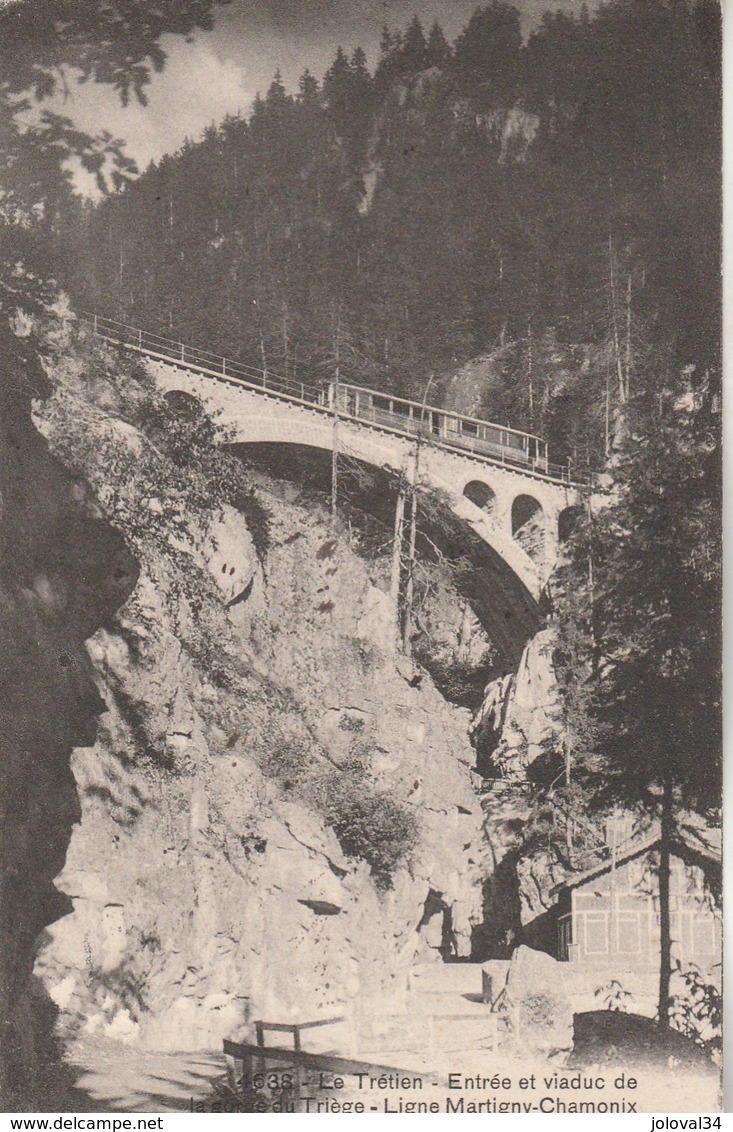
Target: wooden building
{"points": [[608, 916]]}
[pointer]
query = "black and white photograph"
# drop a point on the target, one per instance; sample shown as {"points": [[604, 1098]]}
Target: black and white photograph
{"points": [[361, 411]]}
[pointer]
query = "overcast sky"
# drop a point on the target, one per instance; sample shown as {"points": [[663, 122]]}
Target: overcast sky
{"points": [[221, 71]]}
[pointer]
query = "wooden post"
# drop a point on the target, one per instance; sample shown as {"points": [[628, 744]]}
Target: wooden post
{"points": [[232, 1066], [298, 1066], [260, 1031]]}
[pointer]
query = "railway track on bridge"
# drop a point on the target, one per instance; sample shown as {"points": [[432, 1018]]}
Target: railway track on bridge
{"points": [[468, 437]]}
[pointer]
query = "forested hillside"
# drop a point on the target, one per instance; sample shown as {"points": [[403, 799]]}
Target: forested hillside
{"points": [[552, 205]]}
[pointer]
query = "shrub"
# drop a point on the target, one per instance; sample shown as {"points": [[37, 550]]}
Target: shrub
{"points": [[697, 1008], [353, 723], [614, 997], [369, 824], [257, 517], [457, 681], [187, 459]]}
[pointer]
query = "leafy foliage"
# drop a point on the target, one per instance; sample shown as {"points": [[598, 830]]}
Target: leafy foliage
{"points": [[612, 996], [462, 682], [640, 626], [698, 1010], [117, 44], [370, 825]]}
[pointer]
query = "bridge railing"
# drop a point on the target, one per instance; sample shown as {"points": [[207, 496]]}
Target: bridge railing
{"points": [[175, 352], [192, 357]]}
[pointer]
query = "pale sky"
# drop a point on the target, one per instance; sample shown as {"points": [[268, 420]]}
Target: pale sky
{"points": [[221, 71]]}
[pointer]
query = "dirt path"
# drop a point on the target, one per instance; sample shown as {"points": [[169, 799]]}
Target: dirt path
{"points": [[115, 1078]]}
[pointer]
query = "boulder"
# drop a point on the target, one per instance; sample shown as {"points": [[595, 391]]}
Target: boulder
{"points": [[493, 979], [536, 999]]}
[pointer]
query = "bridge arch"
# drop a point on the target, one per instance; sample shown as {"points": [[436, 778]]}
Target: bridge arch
{"points": [[529, 526], [481, 495], [183, 404], [567, 521]]}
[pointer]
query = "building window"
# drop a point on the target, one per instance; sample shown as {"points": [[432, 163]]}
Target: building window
{"points": [[703, 935], [629, 936], [596, 933]]}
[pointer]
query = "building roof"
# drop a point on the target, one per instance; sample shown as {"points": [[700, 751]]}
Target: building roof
{"points": [[697, 846]]}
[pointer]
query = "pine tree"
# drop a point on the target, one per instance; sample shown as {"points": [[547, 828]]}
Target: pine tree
{"points": [[438, 50], [648, 675], [414, 49], [390, 55], [487, 55]]}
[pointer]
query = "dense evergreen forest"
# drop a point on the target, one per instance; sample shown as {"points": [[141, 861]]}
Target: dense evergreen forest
{"points": [[551, 205]]}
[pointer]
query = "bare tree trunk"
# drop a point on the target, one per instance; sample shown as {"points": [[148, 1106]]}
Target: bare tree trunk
{"points": [[335, 444], [286, 340], [409, 583], [665, 919], [530, 388], [614, 324], [464, 633], [613, 893], [335, 453], [399, 528], [263, 354], [628, 337]]}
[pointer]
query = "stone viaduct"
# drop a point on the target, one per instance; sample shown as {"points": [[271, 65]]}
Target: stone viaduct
{"points": [[519, 513]]}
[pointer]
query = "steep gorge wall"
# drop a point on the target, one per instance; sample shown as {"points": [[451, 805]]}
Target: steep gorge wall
{"points": [[517, 730], [62, 574], [207, 883]]}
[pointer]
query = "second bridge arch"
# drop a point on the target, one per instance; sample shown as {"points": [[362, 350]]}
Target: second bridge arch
{"points": [[480, 494], [529, 526]]}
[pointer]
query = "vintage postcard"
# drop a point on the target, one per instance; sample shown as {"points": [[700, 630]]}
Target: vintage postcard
{"points": [[360, 490]]}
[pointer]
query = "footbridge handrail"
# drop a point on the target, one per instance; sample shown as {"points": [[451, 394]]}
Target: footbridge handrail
{"points": [[405, 419]]}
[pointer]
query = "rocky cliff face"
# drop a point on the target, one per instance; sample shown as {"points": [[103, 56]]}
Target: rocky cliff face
{"points": [[62, 574], [520, 719], [277, 814], [516, 730]]}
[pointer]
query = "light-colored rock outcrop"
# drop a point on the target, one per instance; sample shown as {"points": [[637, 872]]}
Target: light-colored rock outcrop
{"points": [[209, 886], [523, 710]]}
